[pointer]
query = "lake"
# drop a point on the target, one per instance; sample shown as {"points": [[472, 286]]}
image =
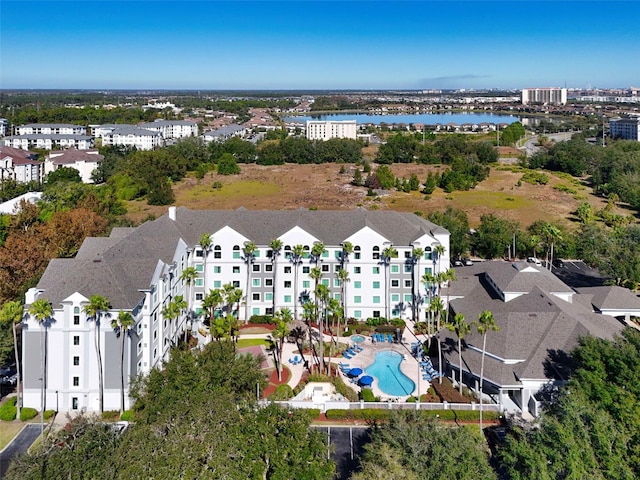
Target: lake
{"points": [[458, 118]]}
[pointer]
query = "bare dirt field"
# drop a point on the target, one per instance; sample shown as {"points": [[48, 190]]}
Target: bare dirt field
{"points": [[323, 187]]}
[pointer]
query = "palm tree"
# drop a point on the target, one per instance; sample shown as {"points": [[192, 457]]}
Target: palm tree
{"points": [[249, 251], [439, 251], [315, 274], [449, 276], [486, 322], [276, 248], [347, 249], [211, 302], [42, 311], [181, 306], [334, 309], [223, 327], [206, 242], [387, 254], [12, 313], [461, 329], [171, 311], [416, 255], [297, 254], [229, 298], [343, 276], [429, 280], [121, 325], [98, 306], [322, 294], [316, 252], [551, 234], [283, 318], [188, 276]]}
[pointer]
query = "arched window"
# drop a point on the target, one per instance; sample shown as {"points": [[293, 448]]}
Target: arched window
{"points": [[217, 251], [287, 251], [356, 252], [236, 251], [376, 253]]}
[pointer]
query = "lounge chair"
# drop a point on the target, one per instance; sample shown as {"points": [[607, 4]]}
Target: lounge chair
{"points": [[343, 365], [390, 337], [346, 354]]}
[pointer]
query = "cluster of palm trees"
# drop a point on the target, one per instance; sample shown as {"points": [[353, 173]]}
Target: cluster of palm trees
{"points": [[222, 326], [42, 312]]}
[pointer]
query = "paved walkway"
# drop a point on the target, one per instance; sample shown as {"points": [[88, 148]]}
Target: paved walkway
{"points": [[19, 444]]}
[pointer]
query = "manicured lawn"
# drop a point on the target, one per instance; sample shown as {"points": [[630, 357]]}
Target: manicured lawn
{"points": [[252, 342], [8, 430]]}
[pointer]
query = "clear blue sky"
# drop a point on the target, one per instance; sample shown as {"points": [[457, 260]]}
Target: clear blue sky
{"points": [[318, 45]]}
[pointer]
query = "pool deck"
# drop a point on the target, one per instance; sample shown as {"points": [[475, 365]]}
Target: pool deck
{"points": [[409, 366]]}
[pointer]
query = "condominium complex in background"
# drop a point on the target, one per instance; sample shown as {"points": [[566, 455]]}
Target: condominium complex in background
{"points": [[325, 130], [546, 96], [140, 270], [626, 128]]}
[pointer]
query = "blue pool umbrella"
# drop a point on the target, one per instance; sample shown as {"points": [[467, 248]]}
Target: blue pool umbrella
{"points": [[355, 372], [366, 380]]}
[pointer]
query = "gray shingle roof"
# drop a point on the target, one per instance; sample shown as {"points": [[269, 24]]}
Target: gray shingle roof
{"points": [[612, 297], [537, 332], [122, 264]]}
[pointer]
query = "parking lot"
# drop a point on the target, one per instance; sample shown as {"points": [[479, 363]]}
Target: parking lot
{"points": [[576, 273]]}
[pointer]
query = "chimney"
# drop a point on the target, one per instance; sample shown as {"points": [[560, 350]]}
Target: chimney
{"points": [[172, 213]]}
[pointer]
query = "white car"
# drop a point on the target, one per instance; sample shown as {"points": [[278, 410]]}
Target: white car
{"points": [[534, 260]]}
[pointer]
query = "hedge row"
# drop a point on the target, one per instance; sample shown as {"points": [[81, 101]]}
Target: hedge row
{"points": [[27, 413], [384, 414]]}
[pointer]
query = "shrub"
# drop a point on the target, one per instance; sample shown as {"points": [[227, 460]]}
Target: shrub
{"points": [[367, 395], [282, 392], [228, 165], [261, 319], [448, 393], [8, 410], [127, 416], [535, 178], [110, 414], [27, 413], [311, 412], [48, 414], [216, 185]]}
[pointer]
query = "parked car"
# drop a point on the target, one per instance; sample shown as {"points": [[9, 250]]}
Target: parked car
{"points": [[457, 262], [467, 261], [535, 261], [558, 263]]}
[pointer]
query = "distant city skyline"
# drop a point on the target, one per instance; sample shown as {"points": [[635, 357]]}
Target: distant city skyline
{"points": [[304, 45]]}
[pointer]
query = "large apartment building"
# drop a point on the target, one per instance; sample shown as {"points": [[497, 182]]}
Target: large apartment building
{"points": [[139, 271], [626, 128], [545, 96], [173, 128], [325, 130]]}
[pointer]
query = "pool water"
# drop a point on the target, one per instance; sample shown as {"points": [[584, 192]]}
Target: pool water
{"points": [[386, 369], [357, 338]]}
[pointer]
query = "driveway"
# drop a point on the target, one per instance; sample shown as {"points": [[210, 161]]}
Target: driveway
{"points": [[20, 444]]}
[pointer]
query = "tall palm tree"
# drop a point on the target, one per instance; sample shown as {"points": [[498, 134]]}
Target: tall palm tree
{"points": [[121, 325], [551, 233], [416, 255], [42, 311], [206, 242], [461, 329], [449, 276], [297, 254], [322, 294], [211, 302], [335, 310], [347, 249], [11, 314], [95, 309], [276, 248], [316, 252], [249, 251], [429, 280], [188, 276], [439, 251], [283, 319], [171, 311], [315, 274], [486, 323], [343, 276], [229, 298], [387, 254], [181, 306]]}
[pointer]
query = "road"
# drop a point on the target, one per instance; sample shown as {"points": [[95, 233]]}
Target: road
{"points": [[531, 145], [347, 443], [19, 444]]}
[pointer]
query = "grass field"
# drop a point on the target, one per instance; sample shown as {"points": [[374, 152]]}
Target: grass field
{"points": [[8, 430], [252, 342], [323, 187]]}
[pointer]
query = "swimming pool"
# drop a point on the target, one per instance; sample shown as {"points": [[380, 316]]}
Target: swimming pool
{"points": [[357, 338], [386, 369]]}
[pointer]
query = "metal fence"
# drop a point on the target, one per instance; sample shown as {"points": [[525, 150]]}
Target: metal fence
{"points": [[324, 406]]}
